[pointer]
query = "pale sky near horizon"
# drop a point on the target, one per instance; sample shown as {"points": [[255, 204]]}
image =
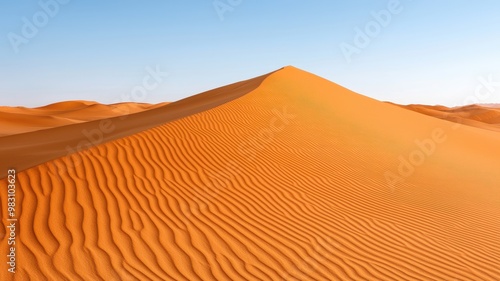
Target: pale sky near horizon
{"points": [[429, 52]]}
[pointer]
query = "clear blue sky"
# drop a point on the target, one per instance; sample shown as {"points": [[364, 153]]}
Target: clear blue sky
{"points": [[431, 52]]}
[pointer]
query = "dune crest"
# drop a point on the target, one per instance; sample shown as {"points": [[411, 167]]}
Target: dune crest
{"points": [[61, 141], [279, 178]]}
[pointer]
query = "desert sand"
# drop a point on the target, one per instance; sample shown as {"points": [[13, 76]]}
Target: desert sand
{"points": [[481, 116], [286, 176], [18, 120]]}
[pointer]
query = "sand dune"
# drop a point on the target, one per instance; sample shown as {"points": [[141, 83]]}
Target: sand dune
{"points": [[480, 116], [17, 120], [56, 142], [284, 177]]}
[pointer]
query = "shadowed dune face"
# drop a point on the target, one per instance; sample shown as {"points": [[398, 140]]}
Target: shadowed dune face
{"points": [[61, 141], [285, 182]]}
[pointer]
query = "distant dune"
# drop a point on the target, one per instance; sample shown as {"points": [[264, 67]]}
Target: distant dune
{"points": [[17, 120], [482, 116], [286, 176]]}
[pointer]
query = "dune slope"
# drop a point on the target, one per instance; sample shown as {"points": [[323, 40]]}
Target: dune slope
{"points": [[294, 180], [23, 152]]}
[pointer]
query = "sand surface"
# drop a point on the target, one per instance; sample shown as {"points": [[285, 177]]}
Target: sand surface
{"points": [[283, 177]]}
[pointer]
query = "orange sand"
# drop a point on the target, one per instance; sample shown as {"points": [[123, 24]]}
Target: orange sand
{"points": [[283, 177], [481, 116], [17, 120]]}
